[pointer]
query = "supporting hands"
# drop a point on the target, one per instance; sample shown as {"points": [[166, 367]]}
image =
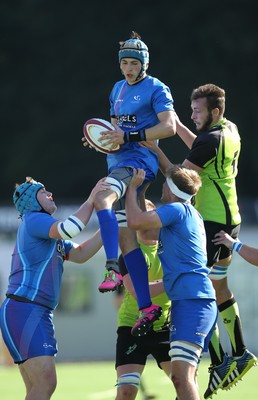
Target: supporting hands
{"points": [[137, 218], [138, 178], [223, 238], [100, 186]]}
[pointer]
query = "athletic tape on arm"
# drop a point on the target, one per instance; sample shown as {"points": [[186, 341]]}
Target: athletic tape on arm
{"points": [[70, 228]]}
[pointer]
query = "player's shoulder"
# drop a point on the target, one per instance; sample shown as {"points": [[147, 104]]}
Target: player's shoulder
{"points": [[152, 81], [212, 136], [38, 215], [37, 220], [118, 84], [231, 126], [33, 215], [222, 126], [170, 208], [227, 123]]}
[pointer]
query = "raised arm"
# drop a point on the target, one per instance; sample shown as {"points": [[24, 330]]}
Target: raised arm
{"points": [[81, 253], [164, 162], [184, 133], [74, 224], [136, 218]]}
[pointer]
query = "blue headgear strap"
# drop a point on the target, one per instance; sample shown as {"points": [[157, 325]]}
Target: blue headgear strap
{"points": [[25, 197]]}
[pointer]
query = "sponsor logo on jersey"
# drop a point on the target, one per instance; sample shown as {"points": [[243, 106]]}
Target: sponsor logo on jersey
{"points": [[136, 99], [126, 118], [60, 249], [45, 345]]}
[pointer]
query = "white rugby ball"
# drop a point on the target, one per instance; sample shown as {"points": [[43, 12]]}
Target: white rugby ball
{"points": [[92, 131]]}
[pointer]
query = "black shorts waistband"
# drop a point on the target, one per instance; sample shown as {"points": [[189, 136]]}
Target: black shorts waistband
{"points": [[24, 300]]}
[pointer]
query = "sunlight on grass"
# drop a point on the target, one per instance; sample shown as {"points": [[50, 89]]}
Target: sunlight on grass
{"points": [[96, 381]]}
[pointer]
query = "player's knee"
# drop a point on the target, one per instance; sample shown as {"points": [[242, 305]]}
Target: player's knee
{"points": [[104, 199], [132, 378], [177, 380], [117, 186], [46, 384], [51, 386], [126, 392], [127, 386]]}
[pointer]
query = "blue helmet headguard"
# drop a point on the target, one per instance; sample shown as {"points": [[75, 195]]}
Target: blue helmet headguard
{"points": [[135, 48], [25, 196]]}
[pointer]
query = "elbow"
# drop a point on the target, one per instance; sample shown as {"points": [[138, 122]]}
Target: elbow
{"points": [[172, 132], [172, 129]]}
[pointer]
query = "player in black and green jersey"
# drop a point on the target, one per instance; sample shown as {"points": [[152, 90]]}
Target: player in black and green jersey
{"points": [[214, 153]]}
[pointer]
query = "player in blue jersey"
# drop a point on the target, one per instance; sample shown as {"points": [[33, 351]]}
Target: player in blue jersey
{"points": [[140, 106], [182, 252], [43, 244], [132, 352]]}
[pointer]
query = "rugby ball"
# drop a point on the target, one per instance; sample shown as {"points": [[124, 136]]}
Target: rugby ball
{"points": [[92, 131]]}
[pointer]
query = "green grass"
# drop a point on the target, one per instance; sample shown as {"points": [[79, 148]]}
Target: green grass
{"points": [[96, 380]]}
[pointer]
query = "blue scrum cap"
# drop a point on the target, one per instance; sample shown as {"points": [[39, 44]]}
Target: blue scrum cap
{"points": [[134, 48], [25, 196]]}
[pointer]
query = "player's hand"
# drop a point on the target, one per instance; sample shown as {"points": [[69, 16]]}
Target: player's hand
{"points": [[100, 186], [115, 137], [223, 238], [138, 178], [86, 144]]}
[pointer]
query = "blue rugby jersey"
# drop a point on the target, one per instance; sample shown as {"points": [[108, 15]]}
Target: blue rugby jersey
{"points": [[37, 261], [182, 252], [136, 107]]}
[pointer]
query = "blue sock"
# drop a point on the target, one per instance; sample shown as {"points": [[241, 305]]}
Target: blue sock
{"points": [[109, 232], [138, 271]]}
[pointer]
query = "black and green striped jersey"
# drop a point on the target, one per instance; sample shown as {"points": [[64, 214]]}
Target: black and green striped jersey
{"points": [[216, 152], [128, 311]]}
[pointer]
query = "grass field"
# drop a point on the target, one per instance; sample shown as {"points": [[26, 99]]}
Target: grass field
{"points": [[96, 380]]}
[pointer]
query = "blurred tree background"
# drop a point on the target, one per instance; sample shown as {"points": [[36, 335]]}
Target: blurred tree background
{"points": [[58, 63]]}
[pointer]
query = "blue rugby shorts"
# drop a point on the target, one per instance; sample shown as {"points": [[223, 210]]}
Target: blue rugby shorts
{"points": [[27, 330], [193, 321]]}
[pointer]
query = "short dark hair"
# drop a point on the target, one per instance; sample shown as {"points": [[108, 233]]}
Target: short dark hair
{"points": [[214, 94]]}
